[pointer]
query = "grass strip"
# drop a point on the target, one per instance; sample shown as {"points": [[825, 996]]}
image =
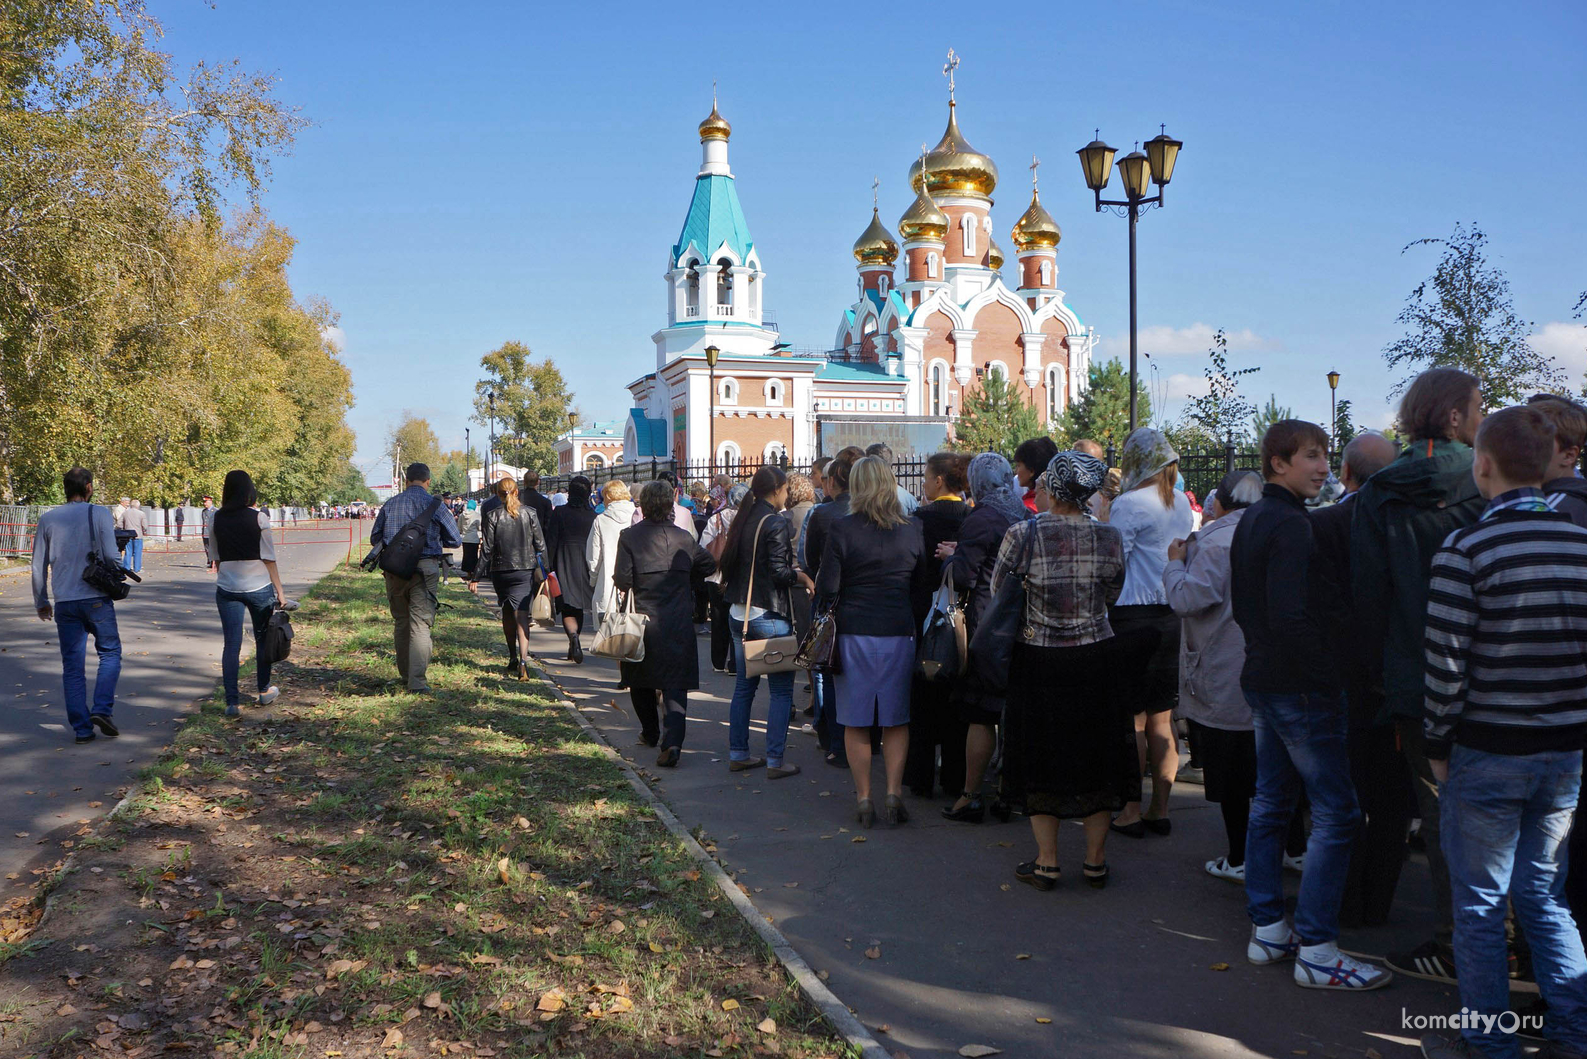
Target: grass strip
{"points": [[360, 871]]}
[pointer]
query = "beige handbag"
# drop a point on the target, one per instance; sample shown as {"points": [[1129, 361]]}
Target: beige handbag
{"points": [[622, 633], [775, 654], [541, 609]]}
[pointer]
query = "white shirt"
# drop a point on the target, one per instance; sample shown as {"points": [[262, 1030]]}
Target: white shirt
{"points": [[246, 575], [1147, 528]]}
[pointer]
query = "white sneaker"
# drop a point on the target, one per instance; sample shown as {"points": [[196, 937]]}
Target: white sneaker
{"points": [[1296, 864], [1221, 867], [269, 695], [1325, 967], [1260, 951]]}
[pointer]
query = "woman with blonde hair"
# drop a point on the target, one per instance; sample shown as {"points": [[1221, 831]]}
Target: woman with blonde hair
{"points": [[600, 553], [873, 566], [1150, 514], [511, 549]]}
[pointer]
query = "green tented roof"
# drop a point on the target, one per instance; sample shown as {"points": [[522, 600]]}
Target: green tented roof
{"points": [[715, 217]]}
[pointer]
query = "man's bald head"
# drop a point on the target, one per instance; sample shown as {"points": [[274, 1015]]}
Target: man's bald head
{"points": [[1091, 448], [1366, 455]]}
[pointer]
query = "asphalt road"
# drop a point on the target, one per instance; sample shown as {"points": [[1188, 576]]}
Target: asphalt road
{"points": [[1152, 966], [170, 642]]}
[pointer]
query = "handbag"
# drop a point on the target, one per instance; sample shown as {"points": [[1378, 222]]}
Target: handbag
{"points": [[775, 654], [276, 644], [541, 609], [819, 649], [992, 646], [102, 575], [943, 650], [622, 632]]}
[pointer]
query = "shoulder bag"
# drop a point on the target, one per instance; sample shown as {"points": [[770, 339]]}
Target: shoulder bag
{"points": [[622, 632], [943, 650], [400, 556], [276, 644], [992, 647], [774, 654], [101, 574], [819, 650]]}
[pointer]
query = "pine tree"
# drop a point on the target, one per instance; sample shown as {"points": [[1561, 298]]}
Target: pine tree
{"points": [[995, 418], [1267, 416], [1344, 429], [1103, 411]]}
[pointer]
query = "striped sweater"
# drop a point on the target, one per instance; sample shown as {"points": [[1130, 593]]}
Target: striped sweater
{"points": [[1506, 639]]}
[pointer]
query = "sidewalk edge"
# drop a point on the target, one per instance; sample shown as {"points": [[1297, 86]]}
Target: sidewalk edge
{"points": [[825, 1000]]}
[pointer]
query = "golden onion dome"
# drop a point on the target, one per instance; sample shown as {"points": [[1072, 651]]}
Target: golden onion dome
{"points": [[953, 167], [715, 127], [994, 255], [876, 245], [923, 220], [1036, 229]]}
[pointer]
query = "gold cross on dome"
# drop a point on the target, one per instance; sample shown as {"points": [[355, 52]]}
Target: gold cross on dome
{"points": [[713, 93], [1035, 164], [947, 70], [876, 182]]}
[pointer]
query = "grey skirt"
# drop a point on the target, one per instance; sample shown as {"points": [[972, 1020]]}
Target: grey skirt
{"points": [[873, 680]]}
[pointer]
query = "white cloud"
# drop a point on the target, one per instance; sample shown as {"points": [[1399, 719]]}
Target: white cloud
{"points": [[334, 337], [1179, 386], [1163, 341], [1566, 343]]}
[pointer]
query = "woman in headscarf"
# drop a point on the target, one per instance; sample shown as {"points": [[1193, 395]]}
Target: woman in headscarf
{"points": [[1068, 748], [600, 555], [468, 529], [1150, 513], [567, 545], [998, 506]]}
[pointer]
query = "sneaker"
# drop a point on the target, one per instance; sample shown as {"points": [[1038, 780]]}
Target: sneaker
{"points": [[269, 695], [1429, 960], [233, 711], [1221, 867], [1260, 951], [89, 738], [1296, 864], [1435, 1046], [1325, 967]]}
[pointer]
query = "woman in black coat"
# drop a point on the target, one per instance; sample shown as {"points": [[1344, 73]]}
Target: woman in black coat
{"points": [[567, 537], [661, 565]]}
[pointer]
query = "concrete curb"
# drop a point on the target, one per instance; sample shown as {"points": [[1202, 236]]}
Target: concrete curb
{"points": [[826, 1001]]}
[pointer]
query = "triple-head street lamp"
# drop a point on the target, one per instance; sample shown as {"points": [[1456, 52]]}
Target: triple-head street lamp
{"points": [[1137, 171]]}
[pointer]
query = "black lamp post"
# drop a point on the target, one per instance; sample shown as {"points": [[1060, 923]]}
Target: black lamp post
{"points": [[490, 399], [1333, 410], [1137, 171], [711, 355], [468, 454], [573, 448]]}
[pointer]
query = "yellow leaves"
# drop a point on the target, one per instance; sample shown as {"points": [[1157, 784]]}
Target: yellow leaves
{"points": [[857, 838], [504, 870], [521, 823], [730, 1004], [1044, 1022], [656, 948], [552, 1001], [1220, 967], [338, 968]]}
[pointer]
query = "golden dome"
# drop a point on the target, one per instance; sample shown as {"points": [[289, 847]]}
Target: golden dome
{"points": [[876, 245], [994, 255], [715, 127], [923, 220], [953, 167], [1036, 228]]}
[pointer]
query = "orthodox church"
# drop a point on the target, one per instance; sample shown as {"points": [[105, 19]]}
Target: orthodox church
{"points": [[906, 351]]}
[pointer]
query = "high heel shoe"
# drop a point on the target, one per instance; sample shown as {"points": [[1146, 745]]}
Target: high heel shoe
{"points": [[865, 812], [1038, 875], [1096, 875], [894, 809], [972, 812], [575, 652], [523, 672]]}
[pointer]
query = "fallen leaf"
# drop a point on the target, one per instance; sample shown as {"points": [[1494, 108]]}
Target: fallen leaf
{"points": [[393, 1038], [1044, 1022], [620, 1004], [767, 1026], [552, 1000], [1220, 967], [1022, 956], [520, 822], [874, 952], [504, 870], [976, 1051], [729, 1005], [432, 1000], [617, 926], [857, 838], [656, 948], [66, 1009]]}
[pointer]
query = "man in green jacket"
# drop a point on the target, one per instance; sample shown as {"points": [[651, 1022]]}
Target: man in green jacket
{"points": [[1403, 513]]}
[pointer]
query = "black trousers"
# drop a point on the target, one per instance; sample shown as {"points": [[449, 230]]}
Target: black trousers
{"points": [[934, 725], [675, 703], [1382, 778], [721, 634]]}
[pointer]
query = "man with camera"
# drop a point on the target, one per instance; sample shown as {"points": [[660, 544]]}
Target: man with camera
{"points": [[411, 562], [65, 543]]}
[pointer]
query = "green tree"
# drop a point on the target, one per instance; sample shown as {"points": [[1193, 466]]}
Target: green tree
{"points": [[1222, 411], [532, 405], [995, 418], [1103, 411], [1462, 317], [412, 441], [1345, 428], [453, 477], [1267, 415], [348, 484]]}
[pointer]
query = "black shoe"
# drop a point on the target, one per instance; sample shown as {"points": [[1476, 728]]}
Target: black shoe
{"points": [[837, 762], [512, 665], [1429, 960], [1160, 826], [1039, 876], [1135, 830], [105, 725], [1096, 875], [972, 812], [668, 758], [89, 738]]}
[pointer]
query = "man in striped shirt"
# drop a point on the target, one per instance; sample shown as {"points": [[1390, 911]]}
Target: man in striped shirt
{"points": [[1505, 716]]}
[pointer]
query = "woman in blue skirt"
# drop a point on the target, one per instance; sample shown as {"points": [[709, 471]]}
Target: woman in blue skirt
{"points": [[872, 566]]}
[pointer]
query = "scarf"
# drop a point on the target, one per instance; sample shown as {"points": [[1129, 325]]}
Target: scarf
{"points": [[992, 484]]}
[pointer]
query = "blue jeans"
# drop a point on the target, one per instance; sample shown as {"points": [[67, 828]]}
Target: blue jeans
{"points": [[75, 620], [1301, 744], [1503, 820], [134, 556], [781, 708], [233, 607]]}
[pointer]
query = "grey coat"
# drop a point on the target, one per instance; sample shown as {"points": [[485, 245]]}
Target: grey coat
{"points": [[1212, 648]]}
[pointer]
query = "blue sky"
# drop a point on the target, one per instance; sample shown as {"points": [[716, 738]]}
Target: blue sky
{"points": [[492, 171]]}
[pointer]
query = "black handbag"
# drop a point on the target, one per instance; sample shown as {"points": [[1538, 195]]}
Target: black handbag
{"points": [[102, 575], [276, 644], [992, 646], [942, 653], [819, 649]]}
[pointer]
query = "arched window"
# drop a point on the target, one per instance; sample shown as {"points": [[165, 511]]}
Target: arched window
{"points": [[727, 391], [859, 284], [1046, 273], [727, 455], [1055, 391], [594, 461], [617, 461], [967, 222], [724, 282], [773, 391], [881, 284], [996, 367], [693, 292], [939, 388], [931, 266], [774, 452]]}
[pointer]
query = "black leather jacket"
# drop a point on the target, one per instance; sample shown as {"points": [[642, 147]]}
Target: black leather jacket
{"points": [[774, 569], [507, 543]]}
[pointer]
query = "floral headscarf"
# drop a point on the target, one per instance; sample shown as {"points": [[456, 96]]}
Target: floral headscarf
{"points": [[1073, 476], [1146, 451], [992, 484]]}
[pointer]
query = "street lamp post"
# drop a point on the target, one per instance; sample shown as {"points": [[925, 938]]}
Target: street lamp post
{"points": [[1333, 411], [468, 455], [573, 448], [1137, 171], [711, 355], [490, 454]]}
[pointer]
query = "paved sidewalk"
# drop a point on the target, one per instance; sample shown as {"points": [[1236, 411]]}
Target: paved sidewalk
{"points": [[966, 955], [170, 645]]}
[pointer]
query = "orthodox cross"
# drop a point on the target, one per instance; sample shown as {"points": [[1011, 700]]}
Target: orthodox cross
{"points": [[876, 182], [947, 70], [1035, 164]]}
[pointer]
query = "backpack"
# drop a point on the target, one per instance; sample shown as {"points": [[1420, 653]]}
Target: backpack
{"points": [[400, 556]]}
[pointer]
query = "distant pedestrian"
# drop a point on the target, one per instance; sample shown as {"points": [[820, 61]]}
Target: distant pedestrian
{"points": [[567, 554], [62, 542], [682, 517], [247, 583], [512, 549], [413, 600], [468, 529], [529, 493], [135, 521], [206, 515], [181, 517]]}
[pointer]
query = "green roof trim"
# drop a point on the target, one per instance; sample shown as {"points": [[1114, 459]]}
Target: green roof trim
{"points": [[715, 217], [861, 371]]}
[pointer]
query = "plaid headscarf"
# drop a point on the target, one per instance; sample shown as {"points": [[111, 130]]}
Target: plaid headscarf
{"points": [[1073, 477]]}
